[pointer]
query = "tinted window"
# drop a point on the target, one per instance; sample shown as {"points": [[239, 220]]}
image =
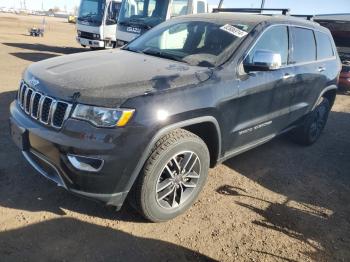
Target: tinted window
{"points": [[304, 46], [193, 42], [91, 11], [274, 40], [324, 46], [113, 13], [179, 7], [201, 7], [144, 12]]}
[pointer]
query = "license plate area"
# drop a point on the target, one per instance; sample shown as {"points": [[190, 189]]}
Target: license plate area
{"points": [[19, 135]]}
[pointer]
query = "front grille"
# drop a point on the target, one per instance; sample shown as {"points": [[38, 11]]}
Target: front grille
{"points": [[86, 35], [45, 109]]}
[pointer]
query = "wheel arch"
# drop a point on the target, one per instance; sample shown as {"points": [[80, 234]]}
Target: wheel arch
{"points": [[194, 125], [330, 93]]}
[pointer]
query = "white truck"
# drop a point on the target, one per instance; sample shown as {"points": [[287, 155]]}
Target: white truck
{"points": [[138, 16], [97, 23]]}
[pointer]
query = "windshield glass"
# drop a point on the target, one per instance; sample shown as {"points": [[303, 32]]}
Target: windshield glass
{"points": [[179, 7], [198, 43], [91, 11], [146, 13]]}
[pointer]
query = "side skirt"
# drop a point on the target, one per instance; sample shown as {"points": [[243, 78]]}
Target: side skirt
{"points": [[252, 145]]}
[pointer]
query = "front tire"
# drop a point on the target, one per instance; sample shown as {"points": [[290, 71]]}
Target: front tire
{"points": [[172, 177], [311, 128]]}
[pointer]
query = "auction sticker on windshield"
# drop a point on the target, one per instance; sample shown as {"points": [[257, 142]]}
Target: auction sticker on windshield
{"points": [[233, 30]]}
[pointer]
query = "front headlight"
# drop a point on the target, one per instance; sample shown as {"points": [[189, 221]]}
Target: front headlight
{"points": [[79, 33], [96, 36], [103, 117]]}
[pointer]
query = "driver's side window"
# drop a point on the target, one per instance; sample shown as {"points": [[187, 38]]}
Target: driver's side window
{"points": [[274, 40], [113, 13]]}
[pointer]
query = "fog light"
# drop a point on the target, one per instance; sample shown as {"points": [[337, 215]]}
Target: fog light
{"points": [[84, 163]]}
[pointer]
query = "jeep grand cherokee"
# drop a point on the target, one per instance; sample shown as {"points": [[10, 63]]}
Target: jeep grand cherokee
{"points": [[147, 121]]}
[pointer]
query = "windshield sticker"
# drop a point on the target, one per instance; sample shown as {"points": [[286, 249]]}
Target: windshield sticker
{"points": [[233, 30]]}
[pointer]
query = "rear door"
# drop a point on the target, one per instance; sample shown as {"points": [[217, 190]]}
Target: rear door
{"points": [[327, 63], [307, 75], [265, 96]]}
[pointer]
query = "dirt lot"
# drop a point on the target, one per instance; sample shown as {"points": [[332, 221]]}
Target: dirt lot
{"points": [[279, 202]]}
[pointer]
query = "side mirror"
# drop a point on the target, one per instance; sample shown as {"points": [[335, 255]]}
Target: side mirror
{"points": [[264, 60]]}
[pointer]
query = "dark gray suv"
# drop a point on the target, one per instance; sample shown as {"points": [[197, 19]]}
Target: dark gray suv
{"points": [[148, 120]]}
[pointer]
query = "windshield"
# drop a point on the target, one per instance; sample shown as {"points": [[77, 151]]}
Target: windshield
{"points": [[91, 11], [146, 13], [179, 7], [198, 43]]}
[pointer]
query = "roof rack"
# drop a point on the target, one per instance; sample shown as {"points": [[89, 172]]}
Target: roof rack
{"points": [[285, 11], [307, 17]]}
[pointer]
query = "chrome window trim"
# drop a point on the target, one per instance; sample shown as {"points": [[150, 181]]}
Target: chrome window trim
{"points": [[334, 57]]}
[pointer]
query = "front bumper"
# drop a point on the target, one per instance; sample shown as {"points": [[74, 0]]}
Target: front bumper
{"points": [[47, 149], [90, 42]]}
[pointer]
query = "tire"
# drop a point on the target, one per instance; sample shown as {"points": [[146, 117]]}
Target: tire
{"points": [[313, 124], [159, 193]]}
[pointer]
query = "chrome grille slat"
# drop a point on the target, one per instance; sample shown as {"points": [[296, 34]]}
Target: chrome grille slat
{"points": [[20, 90], [26, 98], [40, 107], [52, 111], [35, 105], [44, 109], [23, 92], [45, 114]]}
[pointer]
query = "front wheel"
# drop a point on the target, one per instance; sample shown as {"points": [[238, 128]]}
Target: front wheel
{"points": [[173, 176]]}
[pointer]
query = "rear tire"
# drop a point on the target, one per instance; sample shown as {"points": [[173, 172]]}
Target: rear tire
{"points": [[311, 128], [172, 177]]}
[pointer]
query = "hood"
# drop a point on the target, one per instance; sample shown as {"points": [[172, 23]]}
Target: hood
{"points": [[108, 78]]}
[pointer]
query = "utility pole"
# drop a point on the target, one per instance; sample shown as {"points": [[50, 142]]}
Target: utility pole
{"points": [[262, 4]]}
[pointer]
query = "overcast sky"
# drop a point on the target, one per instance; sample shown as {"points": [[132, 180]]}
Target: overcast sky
{"points": [[297, 6]]}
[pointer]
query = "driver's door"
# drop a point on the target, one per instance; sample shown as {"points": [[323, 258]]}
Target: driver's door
{"points": [[263, 107], [111, 19]]}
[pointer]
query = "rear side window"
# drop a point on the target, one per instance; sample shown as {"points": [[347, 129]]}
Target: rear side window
{"points": [[304, 45], [275, 40], [324, 46]]}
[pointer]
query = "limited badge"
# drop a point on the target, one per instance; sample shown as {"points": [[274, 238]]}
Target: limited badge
{"points": [[233, 30]]}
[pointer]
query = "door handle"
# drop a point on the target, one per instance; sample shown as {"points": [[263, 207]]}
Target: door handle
{"points": [[287, 76], [321, 69]]}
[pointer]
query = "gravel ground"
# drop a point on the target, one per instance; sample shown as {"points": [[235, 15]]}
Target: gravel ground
{"points": [[279, 202]]}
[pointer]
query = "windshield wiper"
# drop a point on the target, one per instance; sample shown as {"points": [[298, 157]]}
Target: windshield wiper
{"points": [[163, 55], [132, 50]]}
